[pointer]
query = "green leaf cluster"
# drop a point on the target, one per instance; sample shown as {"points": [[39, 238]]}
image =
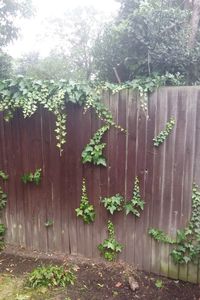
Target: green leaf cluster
{"points": [[32, 177], [86, 210], [2, 234], [50, 276], [3, 199], [114, 203], [158, 140], [110, 247], [93, 151], [136, 203], [29, 95], [3, 175], [187, 243]]}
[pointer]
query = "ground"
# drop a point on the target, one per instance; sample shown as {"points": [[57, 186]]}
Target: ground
{"points": [[95, 281]]}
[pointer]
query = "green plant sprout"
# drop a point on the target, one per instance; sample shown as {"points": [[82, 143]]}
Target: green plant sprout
{"points": [[3, 175], [32, 177], [114, 203], [136, 203], [86, 210], [110, 247]]}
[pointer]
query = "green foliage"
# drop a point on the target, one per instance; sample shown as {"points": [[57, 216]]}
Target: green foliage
{"points": [[50, 276], [93, 151], [2, 234], [147, 37], [187, 243], [32, 177], [86, 210], [3, 175], [159, 284], [27, 94], [114, 203], [160, 236], [110, 247], [48, 223], [158, 140], [3, 199], [136, 202]]}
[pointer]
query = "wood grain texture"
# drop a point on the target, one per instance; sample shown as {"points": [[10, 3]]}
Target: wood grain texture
{"points": [[166, 175]]}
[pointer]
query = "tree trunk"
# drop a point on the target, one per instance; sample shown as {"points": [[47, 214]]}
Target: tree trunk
{"points": [[194, 23]]}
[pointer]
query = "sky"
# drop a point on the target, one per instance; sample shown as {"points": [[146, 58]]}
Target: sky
{"points": [[31, 30]]}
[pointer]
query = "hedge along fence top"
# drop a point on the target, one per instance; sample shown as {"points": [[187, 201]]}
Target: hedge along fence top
{"points": [[28, 94]]}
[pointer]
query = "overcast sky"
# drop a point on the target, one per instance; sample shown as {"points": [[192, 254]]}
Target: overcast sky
{"points": [[31, 30]]}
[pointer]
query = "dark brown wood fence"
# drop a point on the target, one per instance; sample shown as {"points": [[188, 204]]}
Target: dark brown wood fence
{"points": [[166, 175]]}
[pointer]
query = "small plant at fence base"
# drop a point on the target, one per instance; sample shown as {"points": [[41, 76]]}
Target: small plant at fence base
{"points": [[110, 247], [3, 175], [86, 210], [50, 276], [32, 177], [136, 204], [158, 140], [187, 242], [93, 152], [114, 203]]}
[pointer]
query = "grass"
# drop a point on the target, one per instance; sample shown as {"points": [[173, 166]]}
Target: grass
{"points": [[12, 288]]}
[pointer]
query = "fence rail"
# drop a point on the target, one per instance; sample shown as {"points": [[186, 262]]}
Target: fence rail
{"points": [[166, 175]]}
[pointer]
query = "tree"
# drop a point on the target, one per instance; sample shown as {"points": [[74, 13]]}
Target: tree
{"points": [[10, 11], [53, 66], [148, 37], [74, 35], [194, 23]]}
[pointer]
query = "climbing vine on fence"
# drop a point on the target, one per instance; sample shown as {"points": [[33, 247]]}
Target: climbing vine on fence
{"points": [[110, 247], [28, 95], [187, 242], [93, 151], [136, 204], [3, 201], [86, 210], [161, 137]]}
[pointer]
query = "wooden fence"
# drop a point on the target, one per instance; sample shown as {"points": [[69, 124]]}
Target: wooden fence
{"points": [[166, 175]]}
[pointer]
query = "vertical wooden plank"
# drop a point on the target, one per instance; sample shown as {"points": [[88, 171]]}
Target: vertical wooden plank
{"points": [[196, 178], [131, 126], [156, 186], [104, 179], [164, 192], [140, 173], [194, 96], [152, 111], [171, 209]]}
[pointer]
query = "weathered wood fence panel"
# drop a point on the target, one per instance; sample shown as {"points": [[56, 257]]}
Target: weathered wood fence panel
{"points": [[166, 175]]}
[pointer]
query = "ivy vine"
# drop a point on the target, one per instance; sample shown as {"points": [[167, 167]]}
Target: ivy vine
{"points": [[136, 203], [3, 175], [86, 210], [32, 177], [187, 242], [93, 151], [158, 140], [114, 203], [110, 247], [3, 201]]}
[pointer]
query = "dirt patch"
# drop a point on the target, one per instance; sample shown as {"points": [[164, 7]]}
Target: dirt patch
{"points": [[97, 281]]}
